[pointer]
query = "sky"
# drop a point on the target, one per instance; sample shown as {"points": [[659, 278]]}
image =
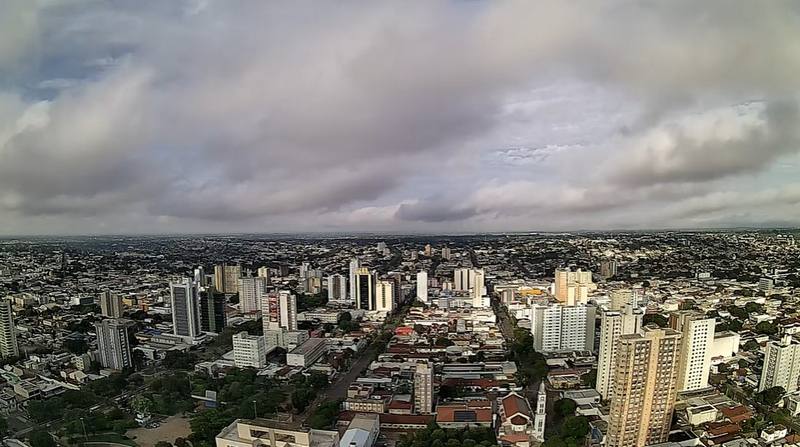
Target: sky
{"points": [[193, 116]]}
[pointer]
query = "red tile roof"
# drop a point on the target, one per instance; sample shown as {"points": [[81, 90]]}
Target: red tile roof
{"points": [[513, 404]]}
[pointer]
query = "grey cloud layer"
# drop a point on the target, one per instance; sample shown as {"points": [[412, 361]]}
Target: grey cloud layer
{"points": [[254, 115]]}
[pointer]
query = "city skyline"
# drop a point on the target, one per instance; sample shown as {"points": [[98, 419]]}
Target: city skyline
{"points": [[431, 117]]}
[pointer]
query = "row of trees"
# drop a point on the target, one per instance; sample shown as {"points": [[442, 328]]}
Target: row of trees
{"points": [[566, 429], [435, 436]]}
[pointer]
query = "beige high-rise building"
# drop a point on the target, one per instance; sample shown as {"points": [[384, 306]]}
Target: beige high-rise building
{"points": [[781, 365], [645, 386], [621, 297], [110, 304], [8, 333], [697, 341], [423, 388], [613, 325], [384, 296], [226, 278], [573, 287]]}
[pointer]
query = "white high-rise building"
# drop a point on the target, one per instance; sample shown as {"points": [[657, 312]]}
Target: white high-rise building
{"points": [[110, 304], [114, 344], [479, 300], [8, 333], [355, 264], [696, 348], [251, 291], [422, 286], [423, 388], [541, 413], [337, 288], [263, 272], [466, 279], [781, 365], [185, 308], [249, 351], [613, 325], [556, 327], [573, 287], [384, 296], [288, 303]]}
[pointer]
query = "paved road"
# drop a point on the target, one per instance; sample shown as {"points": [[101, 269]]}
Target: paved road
{"points": [[338, 389]]}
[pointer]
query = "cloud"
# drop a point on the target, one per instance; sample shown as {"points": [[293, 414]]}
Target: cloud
{"points": [[710, 145], [252, 115]]}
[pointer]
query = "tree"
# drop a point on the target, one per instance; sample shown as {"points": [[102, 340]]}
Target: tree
{"points": [[76, 345], [163, 444], [564, 408], [771, 396], [753, 308], [767, 328], [41, 438], [3, 427], [658, 319]]}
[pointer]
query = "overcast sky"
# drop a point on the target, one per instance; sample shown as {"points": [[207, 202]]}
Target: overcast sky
{"points": [[408, 116]]}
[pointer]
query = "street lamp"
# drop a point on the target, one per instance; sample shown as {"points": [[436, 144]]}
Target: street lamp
{"points": [[255, 410]]}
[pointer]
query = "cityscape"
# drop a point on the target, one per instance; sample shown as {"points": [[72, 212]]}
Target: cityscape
{"points": [[399, 223], [620, 339]]}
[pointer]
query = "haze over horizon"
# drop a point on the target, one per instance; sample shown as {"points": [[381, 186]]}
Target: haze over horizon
{"points": [[159, 117]]}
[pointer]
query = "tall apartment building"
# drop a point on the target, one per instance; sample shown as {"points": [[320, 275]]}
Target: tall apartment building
{"points": [[355, 264], [263, 272], [185, 309], [279, 311], [114, 344], [251, 291], [199, 276], [697, 341], [212, 311], [781, 365], [645, 386], [110, 304], [249, 351], [337, 288], [8, 332], [466, 279], [365, 289], [423, 388], [621, 297], [608, 268], [479, 298], [226, 278], [384, 296], [573, 287], [613, 325], [279, 318], [556, 327], [446, 253], [422, 286]]}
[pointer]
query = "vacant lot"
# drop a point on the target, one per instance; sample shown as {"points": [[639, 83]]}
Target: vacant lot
{"points": [[171, 428]]}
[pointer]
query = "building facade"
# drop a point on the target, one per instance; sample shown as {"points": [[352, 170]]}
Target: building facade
{"points": [[113, 343], [781, 365], [249, 351], [557, 328], [185, 309], [423, 388], [613, 325], [110, 304], [645, 386], [697, 341]]}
